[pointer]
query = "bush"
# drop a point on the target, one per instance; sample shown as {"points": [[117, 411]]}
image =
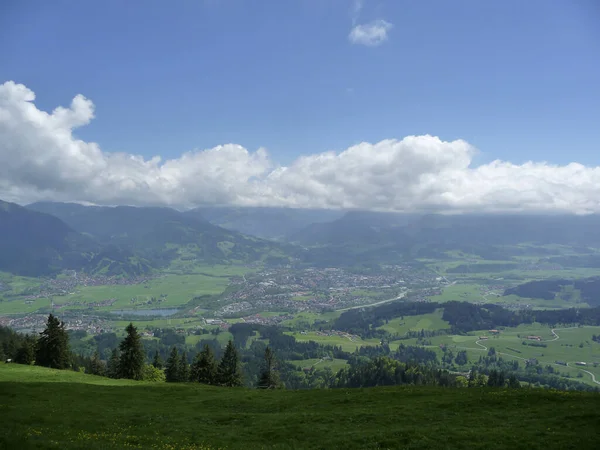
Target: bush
{"points": [[151, 373]]}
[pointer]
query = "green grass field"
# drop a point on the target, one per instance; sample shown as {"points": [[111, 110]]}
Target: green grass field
{"points": [[309, 318], [430, 322], [43, 409], [344, 342], [333, 364], [178, 289], [573, 345], [478, 293]]}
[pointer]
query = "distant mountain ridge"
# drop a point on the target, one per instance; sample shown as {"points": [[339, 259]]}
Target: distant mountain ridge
{"points": [[34, 243], [263, 222], [372, 237], [162, 235]]}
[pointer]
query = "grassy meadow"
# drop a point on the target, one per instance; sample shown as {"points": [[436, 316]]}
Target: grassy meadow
{"points": [[428, 322], [43, 409], [572, 345]]}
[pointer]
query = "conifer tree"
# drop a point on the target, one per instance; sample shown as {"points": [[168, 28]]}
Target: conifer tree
{"points": [[96, 365], [204, 369], [112, 369], [269, 377], [53, 345], [26, 352], [513, 382], [184, 368], [228, 372], [172, 367], [132, 358], [157, 362]]}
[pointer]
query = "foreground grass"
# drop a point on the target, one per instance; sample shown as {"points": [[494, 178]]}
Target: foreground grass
{"points": [[71, 413]]}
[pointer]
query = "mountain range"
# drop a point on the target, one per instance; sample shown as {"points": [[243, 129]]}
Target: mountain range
{"points": [[44, 238]]}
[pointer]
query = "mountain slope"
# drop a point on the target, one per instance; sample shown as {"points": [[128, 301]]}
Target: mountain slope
{"points": [[268, 223], [162, 234], [363, 236], [33, 243]]}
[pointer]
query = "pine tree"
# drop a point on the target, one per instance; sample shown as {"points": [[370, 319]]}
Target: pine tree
{"points": [[131, 361], [204, 368], [157, 362], [112, 369], [472, 378], [172, 367], [53, 345], [96, 365], [513, 382], [184, 368], [228, 372], [26, 352], [269, 378]]}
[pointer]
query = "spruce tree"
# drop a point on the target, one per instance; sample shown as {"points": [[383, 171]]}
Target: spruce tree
{"points": [[228, 372], [26, 352], [172, 367], [184, 368], [204, 369], [112, 369], [269, 377], [157, 362], [96, 365], [53, 345], [131, 361], [513, 382]]}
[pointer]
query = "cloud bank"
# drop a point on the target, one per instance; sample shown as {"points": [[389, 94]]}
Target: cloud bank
{"points": [[40, 159], [370, 34]]}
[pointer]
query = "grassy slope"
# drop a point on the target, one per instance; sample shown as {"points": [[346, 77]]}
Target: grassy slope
{"points": [[566, 348], [71, 413]]}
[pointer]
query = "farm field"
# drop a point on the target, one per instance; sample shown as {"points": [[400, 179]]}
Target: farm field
{"points": [[306, 319], [195, 417], [222, 337], [572, 345], [346, 343], [333, 364], [171, 291], [428, 322], [473, 292]]}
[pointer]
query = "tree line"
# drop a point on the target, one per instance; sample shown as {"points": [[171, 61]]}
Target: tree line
{"points": [[256, 365], [128, 361], [463, 317]]}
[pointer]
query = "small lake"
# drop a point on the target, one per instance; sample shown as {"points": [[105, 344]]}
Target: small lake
{"points": [[145, 312]]}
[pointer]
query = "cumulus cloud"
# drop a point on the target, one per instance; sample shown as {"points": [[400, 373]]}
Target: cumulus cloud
{"points": [[370, 34], [41, 159]]}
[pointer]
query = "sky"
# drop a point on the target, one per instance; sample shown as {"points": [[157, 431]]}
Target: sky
{"points": [[400, 105]]}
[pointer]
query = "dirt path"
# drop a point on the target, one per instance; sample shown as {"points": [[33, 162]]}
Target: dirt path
{"points": [[556, 336]]}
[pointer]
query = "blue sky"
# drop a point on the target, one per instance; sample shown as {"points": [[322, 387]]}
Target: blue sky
{"points": [[419, 84], [519, 80]]}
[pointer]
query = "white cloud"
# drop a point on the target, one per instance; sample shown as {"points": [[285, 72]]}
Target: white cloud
{"points": [[41, 159], [371, 34]]}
